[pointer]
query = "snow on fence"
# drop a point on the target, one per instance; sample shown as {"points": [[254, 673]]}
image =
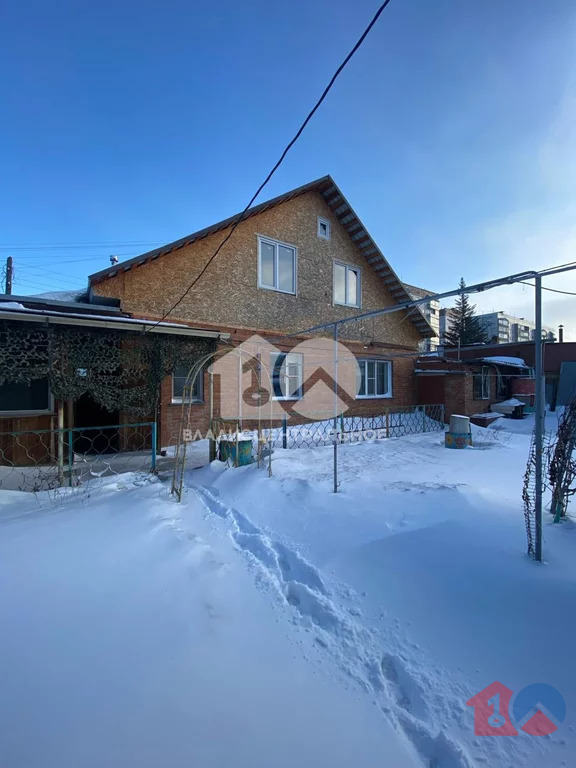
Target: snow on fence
{"points": [[394, 421], [48, 459]]}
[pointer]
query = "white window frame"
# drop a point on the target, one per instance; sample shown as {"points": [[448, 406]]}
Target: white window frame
{"points": [[286, 355], [176, 400], [275, 244], [389, 377], [34, 412], [484, 375], [358, 271], [327, 224]]}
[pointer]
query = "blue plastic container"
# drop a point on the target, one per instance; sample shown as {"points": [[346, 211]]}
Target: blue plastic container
{"points": [[228, 451], [457, 439]]}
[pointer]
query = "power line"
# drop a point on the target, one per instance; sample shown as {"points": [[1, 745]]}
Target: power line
{"points": [[70, 261], [553, 290], [280, 160], [72, 246], [47, 274]]}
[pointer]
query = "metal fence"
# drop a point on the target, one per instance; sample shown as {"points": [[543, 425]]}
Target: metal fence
{"points": [[47, 459], [394, 421]]}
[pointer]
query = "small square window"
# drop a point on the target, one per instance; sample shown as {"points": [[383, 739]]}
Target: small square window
{"points": [[179, 380], [323, 228]]}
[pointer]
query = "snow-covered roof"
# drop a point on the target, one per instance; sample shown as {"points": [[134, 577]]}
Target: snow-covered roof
{"points": [[515, 362], [60, 295], [14, 311], [512, 401]]}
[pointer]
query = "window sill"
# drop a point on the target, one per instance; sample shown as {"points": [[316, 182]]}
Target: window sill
{"points": [[342, 304], [179, 401], [374, 397], [276, 290], [20, 414]]}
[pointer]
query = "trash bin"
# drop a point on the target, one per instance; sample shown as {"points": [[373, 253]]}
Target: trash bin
{"points": [[459, 434], [228, 451]]}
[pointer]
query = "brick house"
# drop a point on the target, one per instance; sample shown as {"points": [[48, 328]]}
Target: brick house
{"points": [[558, 359], [81, 364], [471, 386], [298, 260]]}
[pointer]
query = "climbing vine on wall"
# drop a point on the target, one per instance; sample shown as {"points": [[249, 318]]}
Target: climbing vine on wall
{"points": [[119, 370]]}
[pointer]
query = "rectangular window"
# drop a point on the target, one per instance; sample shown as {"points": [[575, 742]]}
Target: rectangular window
{"points": [[347, 289], [481, 384], [276, 266], [27, 397], [375, 378], [286, 375], [323, 228], [179, 378]]}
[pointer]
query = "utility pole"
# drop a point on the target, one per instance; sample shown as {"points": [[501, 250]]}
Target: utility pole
{"points": [[539, 417], [9, 274]]}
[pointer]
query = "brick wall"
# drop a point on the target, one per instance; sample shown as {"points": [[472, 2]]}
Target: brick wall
{"points": [[228, 298], [403, 393], [228, 293], [458, 391]]}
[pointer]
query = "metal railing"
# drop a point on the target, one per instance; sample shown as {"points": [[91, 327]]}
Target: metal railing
{"points": [[47, 459], [394, 421]]}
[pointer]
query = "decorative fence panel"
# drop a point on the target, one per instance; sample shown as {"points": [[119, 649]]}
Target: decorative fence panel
{"points": [[394, 421]]}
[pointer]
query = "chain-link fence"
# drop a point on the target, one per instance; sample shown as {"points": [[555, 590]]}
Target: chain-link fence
{"points": [[48, 459]]}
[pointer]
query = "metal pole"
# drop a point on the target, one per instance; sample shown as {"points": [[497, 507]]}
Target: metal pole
{"points": [[335, 426], [70, 456], [9, 274], [212, 441], [153, 455], [539, 417], [61, 442]]}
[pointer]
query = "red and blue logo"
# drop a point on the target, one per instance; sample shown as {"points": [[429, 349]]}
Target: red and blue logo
{"points": [[538, 710]]}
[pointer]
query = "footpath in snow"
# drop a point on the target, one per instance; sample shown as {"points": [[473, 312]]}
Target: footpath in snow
{"points": [[414, 579], [133, 634], [267, 621]]}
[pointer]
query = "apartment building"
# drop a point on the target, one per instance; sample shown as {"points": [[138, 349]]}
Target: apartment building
{"points": [[506, 329]]}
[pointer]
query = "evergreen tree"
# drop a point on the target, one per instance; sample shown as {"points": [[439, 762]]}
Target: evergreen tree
{"points": [[465, 328]]}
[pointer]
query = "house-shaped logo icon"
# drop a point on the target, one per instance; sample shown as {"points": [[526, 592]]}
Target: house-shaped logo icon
{"points": [[318, 378], [491, 711]]}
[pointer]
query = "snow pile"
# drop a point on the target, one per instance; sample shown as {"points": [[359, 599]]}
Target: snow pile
{"points": [[414, 580], [514, 362], [60, 295], [506, 406], [11, 305], [270, 621], [134, 634]]}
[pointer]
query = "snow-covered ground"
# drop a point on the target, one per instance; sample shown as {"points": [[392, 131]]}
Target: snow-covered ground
{"points": [[268, 621]]}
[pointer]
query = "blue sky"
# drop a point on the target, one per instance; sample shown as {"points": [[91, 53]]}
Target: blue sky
{"points": [[451, 132]]}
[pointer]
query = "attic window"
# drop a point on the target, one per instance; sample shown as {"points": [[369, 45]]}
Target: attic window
{"points": [[323, 228]]}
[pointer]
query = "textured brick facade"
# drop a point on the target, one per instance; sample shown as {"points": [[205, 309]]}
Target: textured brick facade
{"points": [[228, 298]]}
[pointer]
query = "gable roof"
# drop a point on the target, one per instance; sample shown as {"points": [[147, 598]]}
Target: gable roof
{"points": [[343, 212]]}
